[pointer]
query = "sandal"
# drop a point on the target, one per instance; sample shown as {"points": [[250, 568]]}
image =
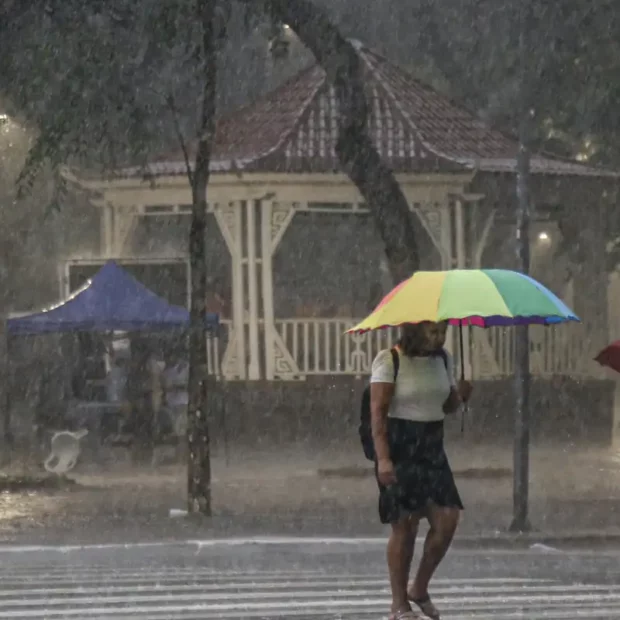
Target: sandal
{"points": [[406, 614], [426, 607]]}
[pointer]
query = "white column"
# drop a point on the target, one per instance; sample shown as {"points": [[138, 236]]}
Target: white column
{"points": [[445, 236], [459, 220], [267, 287], [461, 263], [275, 219], [483, 238], [238, 301], [124, 223], [65, 283], [252, 290], [230, 221], [107, 230]]}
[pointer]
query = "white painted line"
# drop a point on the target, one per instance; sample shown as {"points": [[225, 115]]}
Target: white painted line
{"points": [[70, 548], [219, 582], [292, 540], [524, 609], [473, 599], [375, 541], [73, 570], [605, 613], [283, 588], [364, 614], [276, 590], [212, 542]]}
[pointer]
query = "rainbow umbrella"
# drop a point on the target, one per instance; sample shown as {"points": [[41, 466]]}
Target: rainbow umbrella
{"points": [[480, 297]]}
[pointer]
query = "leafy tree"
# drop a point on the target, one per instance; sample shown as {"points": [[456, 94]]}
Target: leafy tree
{"points": [[472, 47], [95, 80]]}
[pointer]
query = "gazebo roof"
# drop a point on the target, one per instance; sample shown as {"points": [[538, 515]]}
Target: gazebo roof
{"points": [[294, 128]]}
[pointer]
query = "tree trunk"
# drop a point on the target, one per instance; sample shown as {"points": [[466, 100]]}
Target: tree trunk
{"points": [[199, 465], [520, 522], [357, 154]]}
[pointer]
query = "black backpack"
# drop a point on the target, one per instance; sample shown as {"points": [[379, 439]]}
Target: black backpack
{"points": [[365, 429]]}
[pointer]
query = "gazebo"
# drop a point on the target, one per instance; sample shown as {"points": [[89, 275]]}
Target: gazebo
{"points": [[274, 161]]}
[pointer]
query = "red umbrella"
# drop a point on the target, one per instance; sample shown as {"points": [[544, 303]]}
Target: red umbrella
{"points": [[610, 356]]}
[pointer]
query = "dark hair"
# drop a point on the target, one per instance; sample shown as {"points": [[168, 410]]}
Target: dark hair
{"points": [[412, 339]]}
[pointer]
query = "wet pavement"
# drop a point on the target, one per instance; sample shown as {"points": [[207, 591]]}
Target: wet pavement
{"points": [[315, 579], [282, 492]]}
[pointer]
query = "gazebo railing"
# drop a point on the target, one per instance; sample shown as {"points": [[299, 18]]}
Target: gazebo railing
{"points": [[319, 346]]}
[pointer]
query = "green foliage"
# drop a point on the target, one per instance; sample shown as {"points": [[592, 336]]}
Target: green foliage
{"points": [[96, 80], [573, 64]]}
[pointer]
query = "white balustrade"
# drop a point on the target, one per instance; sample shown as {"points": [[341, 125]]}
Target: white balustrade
{"points": [[559, 350], [321, 347]]}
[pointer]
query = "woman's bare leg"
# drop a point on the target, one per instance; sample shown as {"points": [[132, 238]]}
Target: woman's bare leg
{"points": [[443, 522], [399, 556]]}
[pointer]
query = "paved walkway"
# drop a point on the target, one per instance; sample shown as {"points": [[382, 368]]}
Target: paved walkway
{"points": [[314, 582], [281, 492]]}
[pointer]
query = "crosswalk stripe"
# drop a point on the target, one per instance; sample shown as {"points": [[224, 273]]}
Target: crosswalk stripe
{"points": [[198, 591], [107, 593], [148, 577]]}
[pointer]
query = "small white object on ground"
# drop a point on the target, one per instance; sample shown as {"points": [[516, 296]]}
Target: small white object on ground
{"points": [[177, 512], [544, 548], [66, 449]]}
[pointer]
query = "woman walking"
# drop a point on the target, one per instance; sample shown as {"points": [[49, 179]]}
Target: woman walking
{"points": [[412, 388]]}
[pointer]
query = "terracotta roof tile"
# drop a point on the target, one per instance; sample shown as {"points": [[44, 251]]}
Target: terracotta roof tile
{"points": [[294, 129]]}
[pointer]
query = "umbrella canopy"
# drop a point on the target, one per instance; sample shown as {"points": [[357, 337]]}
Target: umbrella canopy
{"points": [[610, 356], [481, 297]]}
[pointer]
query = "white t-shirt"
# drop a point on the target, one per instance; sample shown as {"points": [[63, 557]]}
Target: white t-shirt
{"points": [[422, 386]]}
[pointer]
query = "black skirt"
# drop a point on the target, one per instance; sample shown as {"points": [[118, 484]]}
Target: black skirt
{"points": [[422, 471]]}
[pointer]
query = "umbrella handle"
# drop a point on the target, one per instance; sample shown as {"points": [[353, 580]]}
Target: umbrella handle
{"points": [[462, 347]]}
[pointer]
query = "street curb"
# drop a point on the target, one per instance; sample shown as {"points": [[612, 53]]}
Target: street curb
{"points": [[479, 473], [585, 538], [544, 542], [499, 542]]}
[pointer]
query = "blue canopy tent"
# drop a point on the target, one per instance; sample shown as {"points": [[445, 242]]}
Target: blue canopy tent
{"points": [[112, 300]]}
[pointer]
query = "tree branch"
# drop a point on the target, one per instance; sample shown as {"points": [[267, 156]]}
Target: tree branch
{"points": [[206, 125], [177, 128], [356, 152]]}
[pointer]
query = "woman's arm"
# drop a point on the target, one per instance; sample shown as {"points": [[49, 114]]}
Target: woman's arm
{"points": [[380, 399], [382, 386]]}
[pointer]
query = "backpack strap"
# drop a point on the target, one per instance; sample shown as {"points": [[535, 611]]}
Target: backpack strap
{"points": [[395, 361], [444, 356]]}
